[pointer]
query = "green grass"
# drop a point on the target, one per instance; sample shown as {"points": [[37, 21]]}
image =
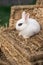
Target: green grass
{"points": [[4, 15]]}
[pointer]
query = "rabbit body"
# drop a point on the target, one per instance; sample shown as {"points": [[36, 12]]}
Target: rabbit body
{"points": [[28, 27]]}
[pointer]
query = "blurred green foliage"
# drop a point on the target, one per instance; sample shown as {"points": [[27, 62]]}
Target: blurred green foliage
{"points": [[4, 15], [5, 10]]}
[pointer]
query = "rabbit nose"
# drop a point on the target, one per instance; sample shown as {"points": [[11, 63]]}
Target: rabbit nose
{"points": [[20, 24]]}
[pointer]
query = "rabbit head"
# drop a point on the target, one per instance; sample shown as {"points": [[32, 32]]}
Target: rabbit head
{"points": [[22, 23]]}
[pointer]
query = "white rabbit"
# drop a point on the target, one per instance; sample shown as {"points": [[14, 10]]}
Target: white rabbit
{"points": [[27, 26]]}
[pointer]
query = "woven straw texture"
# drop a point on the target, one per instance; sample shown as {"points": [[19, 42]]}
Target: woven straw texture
{"points": [[20, 51]]}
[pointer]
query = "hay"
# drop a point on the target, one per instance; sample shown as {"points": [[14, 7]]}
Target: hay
{"points": [[17, 50]]}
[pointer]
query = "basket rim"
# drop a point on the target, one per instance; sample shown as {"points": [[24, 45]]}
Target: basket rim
{"points": [[27, 6]]}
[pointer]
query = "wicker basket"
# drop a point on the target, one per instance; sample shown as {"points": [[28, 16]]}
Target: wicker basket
{"points": [[35, 11], [17, 50], [39, 2]]}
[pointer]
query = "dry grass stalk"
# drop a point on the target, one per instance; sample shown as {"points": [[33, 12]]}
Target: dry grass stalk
{"points": [[18, 50]]}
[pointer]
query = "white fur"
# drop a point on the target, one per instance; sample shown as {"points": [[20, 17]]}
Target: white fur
{"points": [[29, 27]]}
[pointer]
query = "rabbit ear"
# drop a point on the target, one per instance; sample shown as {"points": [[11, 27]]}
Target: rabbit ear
{"points": [[23, 14], [27, 16]]}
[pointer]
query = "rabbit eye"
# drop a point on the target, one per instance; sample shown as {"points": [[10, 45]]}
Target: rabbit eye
{"points": [[20, 24]]}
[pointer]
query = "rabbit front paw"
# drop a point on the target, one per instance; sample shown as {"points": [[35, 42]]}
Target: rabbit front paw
{"points": [[24, 36], [19, 33]]}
